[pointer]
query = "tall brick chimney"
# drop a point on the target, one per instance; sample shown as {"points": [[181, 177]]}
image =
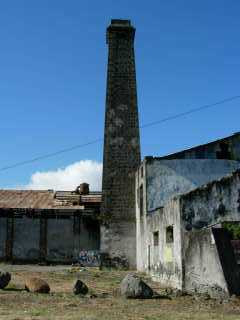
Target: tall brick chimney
{"points": [[121, 144]]}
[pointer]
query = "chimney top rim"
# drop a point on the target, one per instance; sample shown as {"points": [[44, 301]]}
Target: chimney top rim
{"points": [[121, 22]]}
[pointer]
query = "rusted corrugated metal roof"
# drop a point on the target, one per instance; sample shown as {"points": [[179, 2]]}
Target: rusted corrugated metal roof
{"points": [[46, 199]]}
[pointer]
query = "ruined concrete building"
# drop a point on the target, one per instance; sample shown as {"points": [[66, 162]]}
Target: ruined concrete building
{"points": [[175, 217], [188, 218]]}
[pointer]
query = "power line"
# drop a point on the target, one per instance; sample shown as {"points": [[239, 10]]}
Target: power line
{"points": [[182, 114], [150, 124], [48, 155]]}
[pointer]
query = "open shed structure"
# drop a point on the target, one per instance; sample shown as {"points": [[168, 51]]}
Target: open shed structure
{"points": [[48, 226]]}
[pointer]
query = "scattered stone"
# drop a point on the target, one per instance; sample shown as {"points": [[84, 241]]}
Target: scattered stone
{"points": [[134, 287], [169, 291], [37, 285], [103, 295], [206, 296], [80, 288], [175, 293], [225, 301], [116, 292], [234, 298], [5, 278], [202, 297]]}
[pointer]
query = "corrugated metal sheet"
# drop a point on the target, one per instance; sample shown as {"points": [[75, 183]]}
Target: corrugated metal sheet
{"points": [[46, 199]]}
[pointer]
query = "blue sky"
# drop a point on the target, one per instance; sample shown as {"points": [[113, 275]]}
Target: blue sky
{"points": [[53, 61]]}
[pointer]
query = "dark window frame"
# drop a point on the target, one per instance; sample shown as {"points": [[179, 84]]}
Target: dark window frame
{"points": [[156, 238], [169, 234]]}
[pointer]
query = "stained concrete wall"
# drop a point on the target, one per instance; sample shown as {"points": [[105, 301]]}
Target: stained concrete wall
{"points": [[68, 239], [60, 239], [3, 236], [88, 237], [213, 203], [210, 263], [203, 269], [26, 238], [208, 204], [119, 241], [71, 239], [163, 261], [168, 178]]}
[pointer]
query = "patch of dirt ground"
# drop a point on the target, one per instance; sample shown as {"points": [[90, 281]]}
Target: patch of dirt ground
{"points": [[103, 302]]}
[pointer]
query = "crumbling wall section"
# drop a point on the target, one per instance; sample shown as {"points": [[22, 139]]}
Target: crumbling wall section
{"points": [[215, 202], [160, 256], [165, 255], [203, 269], [168, 178]]}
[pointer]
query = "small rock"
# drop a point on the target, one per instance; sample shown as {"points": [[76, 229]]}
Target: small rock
{"points": [[173, 292], [116, 292], [169, 291], [37, 285], [202, 297], [206, 296], [5, 278], [177, 293], [80, 287], [225, 301], [103, 295], [134, 287], [234, 298]]}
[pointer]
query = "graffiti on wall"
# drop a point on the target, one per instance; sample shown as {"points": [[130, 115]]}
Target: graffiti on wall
{"points": [[89, 258]]}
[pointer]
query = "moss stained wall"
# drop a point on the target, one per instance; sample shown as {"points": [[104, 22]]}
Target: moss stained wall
{"points": [[63, 239], [168, 178], [217, 201], [26, 238], [203, 269]]}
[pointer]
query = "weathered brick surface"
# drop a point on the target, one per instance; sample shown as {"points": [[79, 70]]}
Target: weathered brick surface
{"points": [[121, 138]]}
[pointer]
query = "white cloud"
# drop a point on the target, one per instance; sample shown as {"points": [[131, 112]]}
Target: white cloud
{"points": [[69, 178]]}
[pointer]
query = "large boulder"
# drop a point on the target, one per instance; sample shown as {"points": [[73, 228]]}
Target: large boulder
{"points": [[5, 278], [80, 287], [37, 285], [134, 287]]}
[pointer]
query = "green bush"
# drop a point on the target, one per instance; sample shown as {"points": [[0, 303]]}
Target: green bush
{"points": [[233, 229]]}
